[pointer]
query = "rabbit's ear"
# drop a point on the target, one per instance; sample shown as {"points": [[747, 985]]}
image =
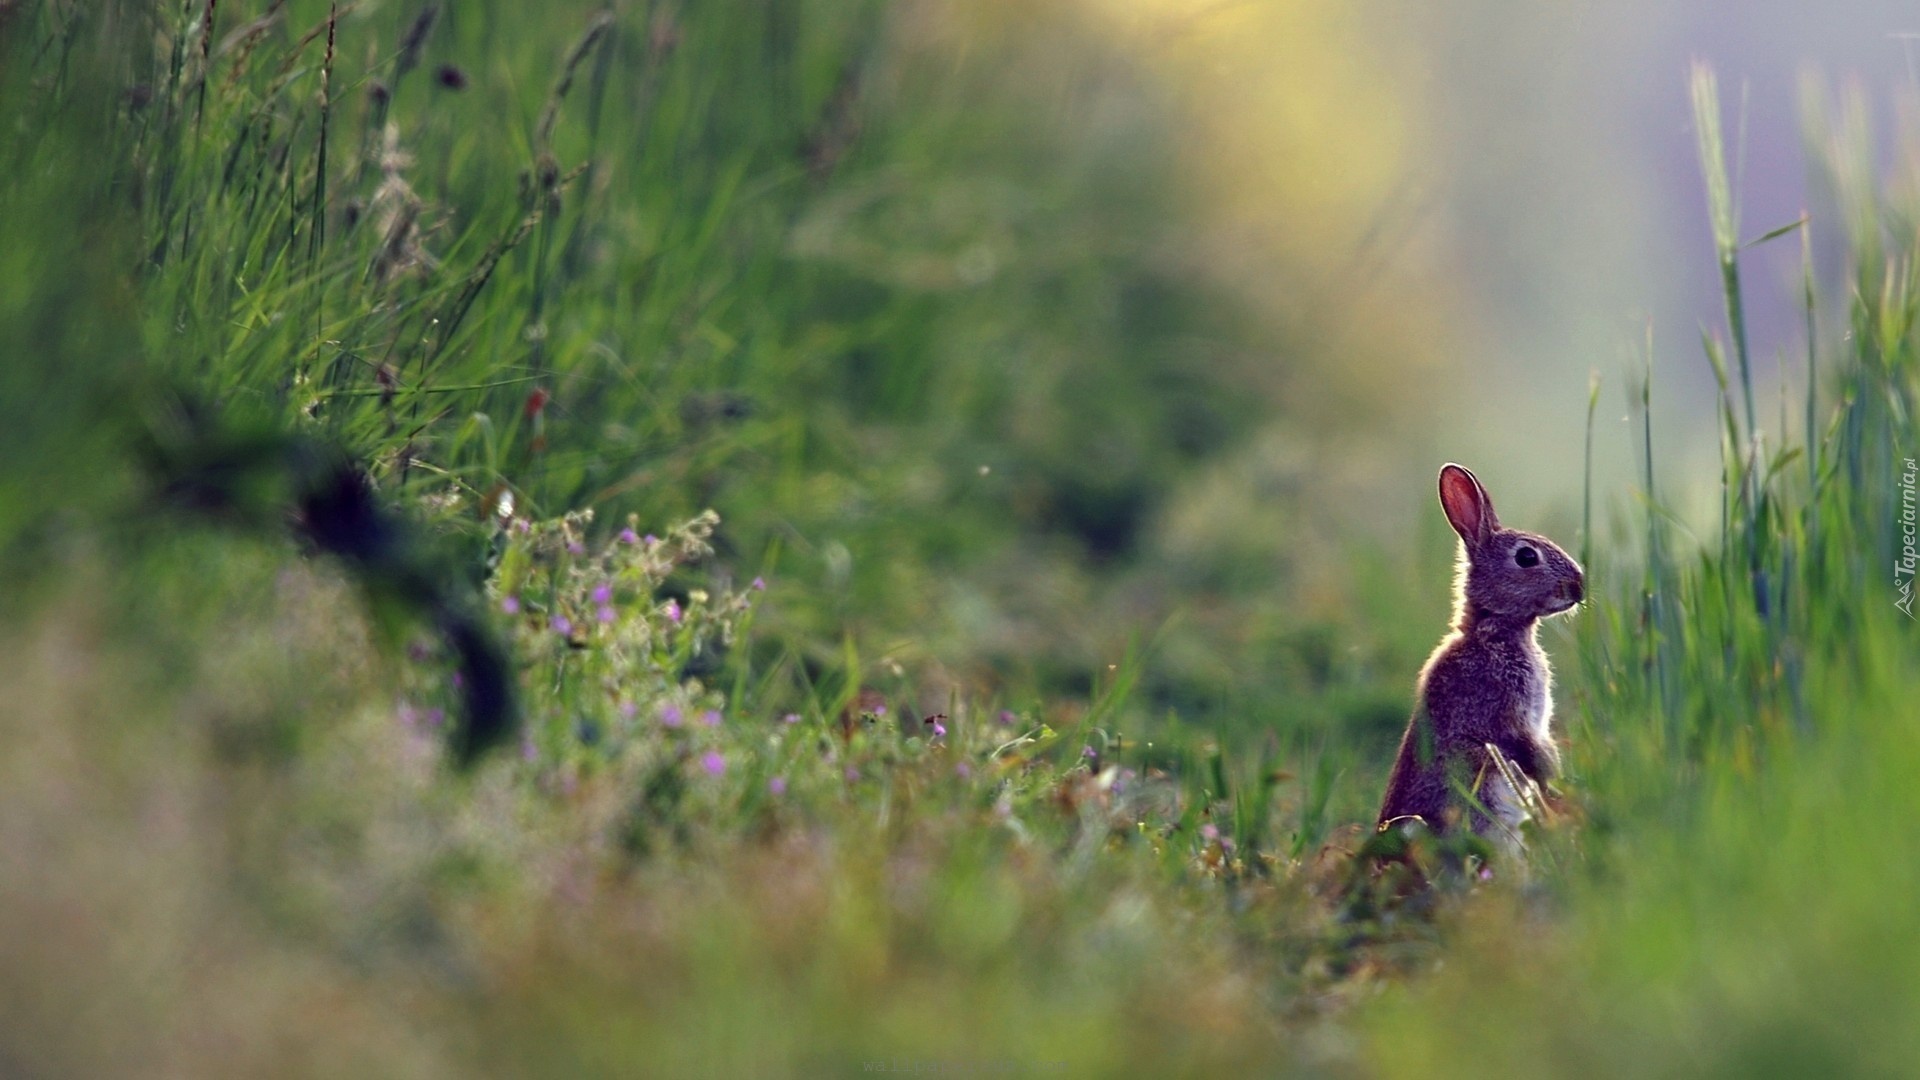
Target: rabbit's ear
{"points": [[1468, 508]]}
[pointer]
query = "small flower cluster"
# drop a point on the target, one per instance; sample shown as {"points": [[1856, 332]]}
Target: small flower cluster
{"points": [[546, 574], [604, 647], [612, 643]]}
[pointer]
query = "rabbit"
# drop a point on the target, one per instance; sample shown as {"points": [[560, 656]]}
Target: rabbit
{"points": [[1479, 744]]}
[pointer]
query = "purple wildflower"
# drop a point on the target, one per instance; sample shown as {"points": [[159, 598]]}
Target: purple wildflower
{"points": [[711, 718], [962, 770], [713, 763], [760, 584], [628, 708], [852, 774], [628, 536], [407, 715], [777, 785], [1089, 752], [562, 625], [510, 605], [879, 710], [670, 716], [791, 718], [575, 547], [605, 614], [603, 594], [1209, 831], [522, 525], [649, 540], [939, 730], [1007, 717], [673, 610]]}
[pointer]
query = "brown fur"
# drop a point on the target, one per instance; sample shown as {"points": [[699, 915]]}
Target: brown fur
{"points": [[1488, 683]]}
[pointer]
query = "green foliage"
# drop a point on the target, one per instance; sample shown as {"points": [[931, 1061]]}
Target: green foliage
{"points": [[912, 340], [66, 313], [781, 262], [1743, 724], [954, 779]]}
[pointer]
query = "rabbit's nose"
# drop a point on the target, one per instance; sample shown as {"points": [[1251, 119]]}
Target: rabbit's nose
{"points": [[1577, 589]]}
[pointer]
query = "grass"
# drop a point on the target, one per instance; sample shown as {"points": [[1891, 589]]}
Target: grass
{"points": [[906, 755], [1743, 737]]}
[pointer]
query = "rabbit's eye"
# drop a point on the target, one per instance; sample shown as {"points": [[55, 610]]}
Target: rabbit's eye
{"points": [[1526, 556]]}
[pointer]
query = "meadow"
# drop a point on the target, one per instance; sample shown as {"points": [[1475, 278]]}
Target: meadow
{"points": [[653, 539]]}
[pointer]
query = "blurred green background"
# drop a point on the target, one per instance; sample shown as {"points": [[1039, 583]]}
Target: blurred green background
{"points": [[1068, 380]]}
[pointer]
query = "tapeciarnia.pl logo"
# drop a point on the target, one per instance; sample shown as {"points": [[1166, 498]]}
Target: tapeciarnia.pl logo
{"points": [[1903, 567]]}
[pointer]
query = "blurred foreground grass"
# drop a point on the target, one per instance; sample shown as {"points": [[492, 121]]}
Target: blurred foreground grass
{"points": [[864, 774]]}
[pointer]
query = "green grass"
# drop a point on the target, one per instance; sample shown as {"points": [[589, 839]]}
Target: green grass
{"points": [[928, 749], [1743, 734], [964, 338]]}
